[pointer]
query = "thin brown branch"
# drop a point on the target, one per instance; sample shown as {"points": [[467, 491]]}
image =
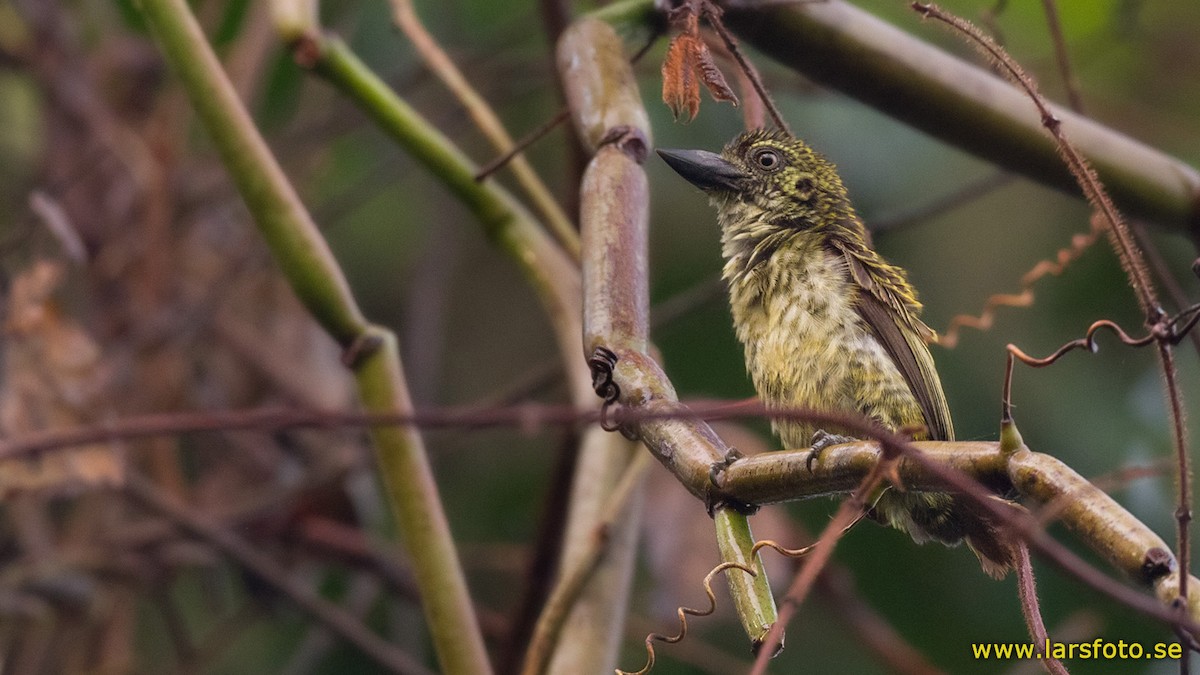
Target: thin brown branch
{"points": [[58, 222], [941, 205], [754, 115], [337, 620], [169, 424], [1079, 166], [1060, 54], [713, 14], [520, 146], [934, 475]]}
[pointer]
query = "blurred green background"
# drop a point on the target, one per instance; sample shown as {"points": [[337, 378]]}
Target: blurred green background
{"points": [[470, 327]]}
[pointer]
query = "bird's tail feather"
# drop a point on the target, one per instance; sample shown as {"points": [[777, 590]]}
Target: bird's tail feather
{"points": [[938, 516]]}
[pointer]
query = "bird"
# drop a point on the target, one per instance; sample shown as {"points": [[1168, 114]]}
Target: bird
{"points": [[825, 322]]}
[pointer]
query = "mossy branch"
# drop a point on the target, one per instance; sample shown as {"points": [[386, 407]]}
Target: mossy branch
{"points": [[1099, 521]]}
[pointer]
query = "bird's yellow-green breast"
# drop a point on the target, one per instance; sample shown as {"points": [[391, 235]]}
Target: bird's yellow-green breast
{"points": [[825, 321]]}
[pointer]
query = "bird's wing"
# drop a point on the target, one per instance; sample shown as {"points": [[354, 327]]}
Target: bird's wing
{"points": [[886, 303]]}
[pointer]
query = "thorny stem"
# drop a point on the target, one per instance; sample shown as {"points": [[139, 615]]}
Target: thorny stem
{"points": [[1162, 273], [1184, 513], [769, 478], [521, 145], [1131, 260], [1027, 592], [1096, 194]]}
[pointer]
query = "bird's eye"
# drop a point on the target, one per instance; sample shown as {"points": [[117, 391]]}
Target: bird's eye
{"points": [[767, 159]]}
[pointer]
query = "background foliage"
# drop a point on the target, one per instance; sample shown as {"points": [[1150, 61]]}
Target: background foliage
{"points": [[161, 290]]}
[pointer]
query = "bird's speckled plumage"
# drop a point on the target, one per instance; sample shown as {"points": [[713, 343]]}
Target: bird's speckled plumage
{"points": [[825, 321], [800, 274]]}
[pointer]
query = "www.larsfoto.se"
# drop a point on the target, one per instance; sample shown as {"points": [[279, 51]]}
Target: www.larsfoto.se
{"points": [[1096, 649]]}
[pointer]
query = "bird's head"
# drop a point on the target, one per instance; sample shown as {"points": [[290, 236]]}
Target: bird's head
{"points": [[770, 177]]}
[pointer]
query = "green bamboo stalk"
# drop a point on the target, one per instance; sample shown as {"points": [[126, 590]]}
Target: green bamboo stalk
{"points": [[372, 352], [594, 621], [850, 50], [279, 213], [489, 123], [551, 272], [751, 595]]}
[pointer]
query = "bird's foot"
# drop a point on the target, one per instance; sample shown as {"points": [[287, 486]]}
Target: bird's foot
{"points": [[715, 499], [823, 439], [718, 467]]}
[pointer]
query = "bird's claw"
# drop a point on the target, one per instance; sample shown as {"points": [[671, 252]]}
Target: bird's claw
{"points": [[718, 467], [823, 439], [716, 499]]}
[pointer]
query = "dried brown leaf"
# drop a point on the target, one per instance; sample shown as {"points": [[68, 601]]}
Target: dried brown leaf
{"points": [[681, 90], [54, 376], [689, 64], [713, 80]]}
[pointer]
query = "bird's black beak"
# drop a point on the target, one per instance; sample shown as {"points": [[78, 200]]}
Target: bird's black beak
{"points": [[706, 170]]}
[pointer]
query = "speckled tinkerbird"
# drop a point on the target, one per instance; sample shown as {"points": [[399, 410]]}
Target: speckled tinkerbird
{"points": [[826, 322]]}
